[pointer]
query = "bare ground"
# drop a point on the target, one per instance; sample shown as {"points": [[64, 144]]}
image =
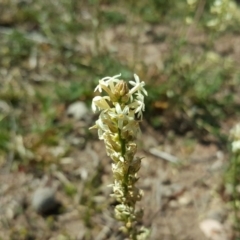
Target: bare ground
{"points": [[177, 196]]}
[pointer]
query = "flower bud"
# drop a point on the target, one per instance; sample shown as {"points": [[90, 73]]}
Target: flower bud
{"points": [[121, 91], [121, 88], [135, 165]]}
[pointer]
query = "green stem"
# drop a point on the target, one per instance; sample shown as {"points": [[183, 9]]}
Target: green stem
{"points": [[123, 143], [123, 151], [235, 193], [131, 231]]}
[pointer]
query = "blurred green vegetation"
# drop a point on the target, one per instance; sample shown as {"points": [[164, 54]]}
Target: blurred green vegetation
{"points": [[232, 184], [54, 52]]}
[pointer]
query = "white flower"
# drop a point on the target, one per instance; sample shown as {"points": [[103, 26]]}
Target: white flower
{"points": [[236, 146], [120, 114], [117, 171], [100, 103], [235, 132], [107, 81], [137, 86], [102, 128], [115, 156], [111, 141], [138, 105], [131, 129], [107, 84], [118, 189]]}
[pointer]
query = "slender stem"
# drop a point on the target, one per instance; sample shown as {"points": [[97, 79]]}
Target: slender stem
{"points": [[123, 143], [123, 151], [235, 193], [131, 231]]}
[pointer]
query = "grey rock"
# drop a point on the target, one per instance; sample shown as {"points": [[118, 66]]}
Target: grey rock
{"points": [[78, 110], [172, 191], [219, 214], [185, 199], [44, 201]]}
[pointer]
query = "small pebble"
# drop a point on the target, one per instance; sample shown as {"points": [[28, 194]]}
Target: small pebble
{"points": [[185, 200], [172, 191], [44, 201], [213, 230], [78, 110], [217, 214], [173, 204]]}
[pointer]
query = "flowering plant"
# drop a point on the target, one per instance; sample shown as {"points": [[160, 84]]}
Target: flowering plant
{"points": [[235, 136], [118, 125], [233, 173], [224, 13]]}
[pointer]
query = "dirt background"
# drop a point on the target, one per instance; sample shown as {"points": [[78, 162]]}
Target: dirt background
{"points": [[183, 167]]}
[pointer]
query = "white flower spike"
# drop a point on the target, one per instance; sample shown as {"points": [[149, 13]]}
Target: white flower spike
{"points": [[118, 125]]}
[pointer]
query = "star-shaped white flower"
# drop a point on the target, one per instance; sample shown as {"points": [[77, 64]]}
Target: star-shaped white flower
{"points": [[107, 84], [137, 86], [100, 103], [120, 115]]}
